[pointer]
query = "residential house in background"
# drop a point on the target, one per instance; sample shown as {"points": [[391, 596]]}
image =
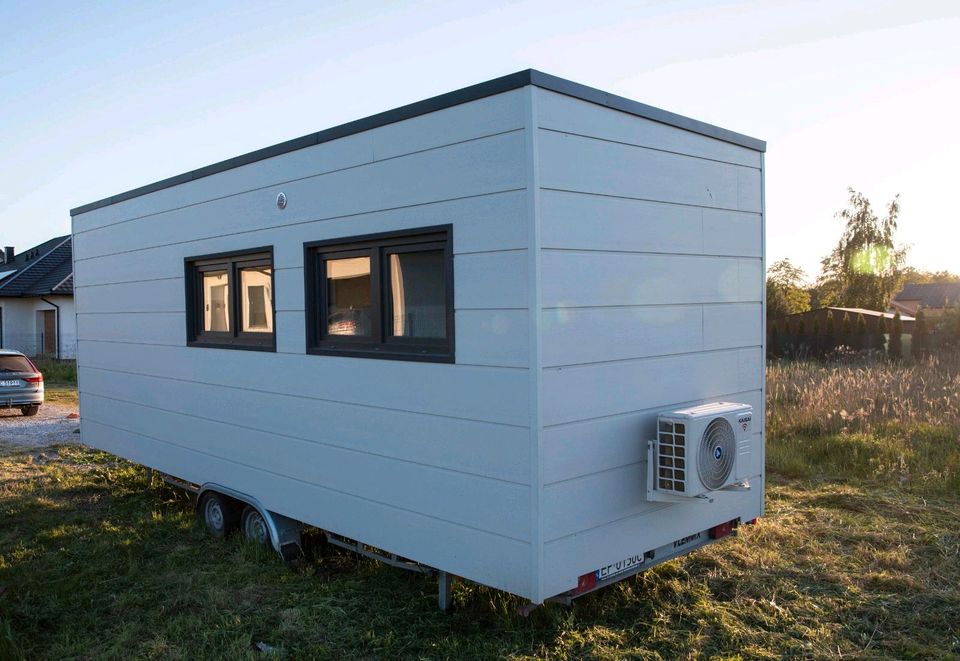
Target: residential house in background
{"points": [[932, 297], [36, 300]]}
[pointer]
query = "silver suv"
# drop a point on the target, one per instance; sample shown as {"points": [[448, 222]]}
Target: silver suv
{"points": [[21, 383]]}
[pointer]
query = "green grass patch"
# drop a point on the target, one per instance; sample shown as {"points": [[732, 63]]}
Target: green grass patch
{"points": [[97, 564], [57, 371], [920, 458]]}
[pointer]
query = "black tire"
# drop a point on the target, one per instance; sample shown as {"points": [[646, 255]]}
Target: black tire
{"points": [[254, 527], [219, 514], [30, 410]]}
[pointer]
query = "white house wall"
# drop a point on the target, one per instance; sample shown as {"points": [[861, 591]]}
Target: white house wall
{"points": [[651, 291], [430, 461], [19, 330]]}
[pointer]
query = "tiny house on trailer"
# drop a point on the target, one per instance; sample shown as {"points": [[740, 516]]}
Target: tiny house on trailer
{"points": [[513, 334]]}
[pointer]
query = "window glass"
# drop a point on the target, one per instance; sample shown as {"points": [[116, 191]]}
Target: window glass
{"points": [[349, 311], [15, 364], [418, 294], [257, 300], [216, 301]]}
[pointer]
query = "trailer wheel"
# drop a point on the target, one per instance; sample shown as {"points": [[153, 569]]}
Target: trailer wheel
{"points": [[218, 513], [254, 527]]}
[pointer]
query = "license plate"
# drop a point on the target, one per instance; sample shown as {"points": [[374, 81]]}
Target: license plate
{"points": [[9, 383], [618, 568]]}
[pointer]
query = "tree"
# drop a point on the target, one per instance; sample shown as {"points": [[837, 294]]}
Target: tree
{"points": [[895, 346], [846, 331], [860, 339], [880, 339], [864, 269], [918, 276], [816, 339], [785, 290], [918, 341], [830, 334]]}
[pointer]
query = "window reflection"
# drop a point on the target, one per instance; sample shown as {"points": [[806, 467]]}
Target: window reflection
{"points": [[257, 299], [216, 301], [349, 311], [417, 294]]}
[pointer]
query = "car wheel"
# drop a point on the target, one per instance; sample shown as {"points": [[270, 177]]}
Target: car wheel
{"points": [[30, 410], [254, 527], [218, 513]]}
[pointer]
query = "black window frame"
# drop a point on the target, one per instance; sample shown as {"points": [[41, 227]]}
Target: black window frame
{"points": [[231, 262], [381, 343]]}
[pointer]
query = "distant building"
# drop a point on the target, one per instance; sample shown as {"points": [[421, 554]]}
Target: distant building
{"points": [[932, 296], [36, 300], [872, 317]]}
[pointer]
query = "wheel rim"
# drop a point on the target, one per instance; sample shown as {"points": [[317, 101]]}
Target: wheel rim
{"points": [[255, 528], [213, 514]]}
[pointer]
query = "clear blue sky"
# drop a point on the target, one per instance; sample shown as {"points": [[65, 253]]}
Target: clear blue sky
{"points": [[95, 100]]}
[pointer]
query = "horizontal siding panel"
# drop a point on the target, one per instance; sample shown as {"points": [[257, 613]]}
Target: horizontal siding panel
{"points": [[409, 486], [348, 152], [575, 279], [591, 391], [148, 328], [732, 325], [488, 394], [467, 121], [481, 167], [291, 331], [751, 280], [485, 223], [569, 557], [476, 448], [575, 505], [750, 190], [732, 233], [586, 165], [132, 297], [572, 336], [582, 221], [493, 337], [590, 446], [289, 293], [564, 113], [490, 280], [504, 563]]}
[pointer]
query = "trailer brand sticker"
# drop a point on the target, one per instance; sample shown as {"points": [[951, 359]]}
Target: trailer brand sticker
{"points": [[683, 541], [619, 567]]}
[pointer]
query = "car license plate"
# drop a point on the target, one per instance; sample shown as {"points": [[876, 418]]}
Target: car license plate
{"points": [[618, 568], [9, 383]]}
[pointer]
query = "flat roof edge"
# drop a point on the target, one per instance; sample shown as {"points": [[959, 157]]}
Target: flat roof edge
{"points": [[465, 95]]}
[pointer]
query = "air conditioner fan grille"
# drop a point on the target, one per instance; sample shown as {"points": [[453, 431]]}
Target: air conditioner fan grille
{"points": [[718, 448]]}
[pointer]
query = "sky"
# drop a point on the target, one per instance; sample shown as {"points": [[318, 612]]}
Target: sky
{"points": [[99, 98]]}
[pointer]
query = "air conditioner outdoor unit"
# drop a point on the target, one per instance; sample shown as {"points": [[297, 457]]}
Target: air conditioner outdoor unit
{"points": [[697, 450]]}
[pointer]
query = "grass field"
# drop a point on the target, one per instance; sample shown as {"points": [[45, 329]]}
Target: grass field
{"points": [[858, 556]]}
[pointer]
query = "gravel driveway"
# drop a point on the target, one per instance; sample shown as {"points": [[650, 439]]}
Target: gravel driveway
{"points": [[51, 425]]}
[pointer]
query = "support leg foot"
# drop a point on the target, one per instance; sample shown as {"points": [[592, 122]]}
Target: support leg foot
{"points": [[445, 591]]}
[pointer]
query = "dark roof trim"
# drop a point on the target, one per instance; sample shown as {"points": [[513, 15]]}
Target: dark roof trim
{"points": [[473, 93]]}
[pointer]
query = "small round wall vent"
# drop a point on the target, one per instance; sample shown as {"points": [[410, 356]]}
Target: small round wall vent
{"points": [[281, 200]]}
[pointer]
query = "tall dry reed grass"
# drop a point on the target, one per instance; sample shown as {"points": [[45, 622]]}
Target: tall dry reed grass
{"points": [[862, 396], [871, 420]]}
